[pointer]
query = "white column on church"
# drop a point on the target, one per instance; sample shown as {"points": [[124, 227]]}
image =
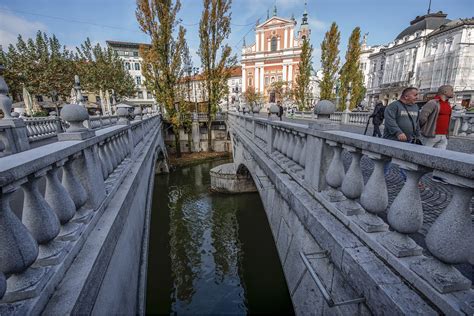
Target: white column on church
{"points": [[284, 72], [256, 41], [263, 41], [256, 79], [285, 38], [291, 39], [261, 79], [278, 43], [290, 73], [244, 78]]}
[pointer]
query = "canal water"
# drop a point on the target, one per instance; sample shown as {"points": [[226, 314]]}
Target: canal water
{"points": [[211, 253]]}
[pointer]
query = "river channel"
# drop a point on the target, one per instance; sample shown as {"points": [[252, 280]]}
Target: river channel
{"points": [[211, 253]]}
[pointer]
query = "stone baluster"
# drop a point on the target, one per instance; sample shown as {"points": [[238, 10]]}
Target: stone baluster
{"points": [[374, 197], [291, 145], [285, 142], [353, 184], [302, 159], [76, 191], [90, 175], [18, 250], [280, 140], [107, 167], [405, 215], [335, 174], [62, 204], [42, 221], [298, 149], [111, 152], [450, 239]]}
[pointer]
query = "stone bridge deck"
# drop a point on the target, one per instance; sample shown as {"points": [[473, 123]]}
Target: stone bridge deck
{"points": [[366, 239]]}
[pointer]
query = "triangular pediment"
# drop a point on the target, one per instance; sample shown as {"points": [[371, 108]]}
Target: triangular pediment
{"points": [[275, 20]]}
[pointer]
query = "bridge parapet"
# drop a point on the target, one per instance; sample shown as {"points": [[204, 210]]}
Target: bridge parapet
{"points": [[312, 157], [40, 240]]}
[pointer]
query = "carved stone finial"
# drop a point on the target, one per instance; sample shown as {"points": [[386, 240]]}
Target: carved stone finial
{"points": [[75, 116], [77, 88], [5, 101]]}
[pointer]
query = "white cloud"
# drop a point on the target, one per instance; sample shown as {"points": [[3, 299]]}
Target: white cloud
{"points": [[12, 25]]}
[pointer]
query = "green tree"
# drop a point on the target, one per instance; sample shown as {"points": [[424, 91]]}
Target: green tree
{"points": [[41, 65], [301, 89], [101, 69], [282, 90], [252, 97], [216, 59], [330, 62], [163, 61], [351, 75]]}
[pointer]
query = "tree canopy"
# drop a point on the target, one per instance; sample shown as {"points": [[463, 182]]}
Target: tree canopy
{"points": [[330, 62], [301, 89]]}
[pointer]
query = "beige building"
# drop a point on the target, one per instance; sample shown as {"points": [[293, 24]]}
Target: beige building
{"points": [[274, 56]]}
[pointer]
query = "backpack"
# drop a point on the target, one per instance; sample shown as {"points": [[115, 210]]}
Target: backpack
{"points": [[379, 115]]}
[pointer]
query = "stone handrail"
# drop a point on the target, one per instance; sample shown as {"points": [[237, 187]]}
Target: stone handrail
{"points": [[464, 124], [39, 128], [360, 118], [336, 116], [39, 242], [313, 158]]}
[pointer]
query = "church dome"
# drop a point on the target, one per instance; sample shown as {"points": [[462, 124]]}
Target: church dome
{"points": [[430, 21]]}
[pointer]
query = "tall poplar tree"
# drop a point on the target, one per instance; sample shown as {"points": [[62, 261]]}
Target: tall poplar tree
{"points": [[351, 74], [304, 75], [330, 62], [163, 62], [216, 59]]}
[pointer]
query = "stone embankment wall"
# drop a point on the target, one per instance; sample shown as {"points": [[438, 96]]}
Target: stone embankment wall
{"points": [[226, 179]]}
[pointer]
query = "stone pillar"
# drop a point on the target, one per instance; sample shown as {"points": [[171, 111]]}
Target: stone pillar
{"points": [[76, 115], [13, 132], [261, 84], [270, 138], [196, 135]]}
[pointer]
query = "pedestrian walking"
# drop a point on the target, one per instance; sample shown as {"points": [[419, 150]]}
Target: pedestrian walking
{"points": [[280, 110], [401, 122], [377, 117], [435, 117]]}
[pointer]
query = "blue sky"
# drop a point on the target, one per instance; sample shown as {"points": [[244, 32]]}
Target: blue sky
{"points": [[74, 20]]}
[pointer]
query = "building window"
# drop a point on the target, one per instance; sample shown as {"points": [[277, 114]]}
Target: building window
{"points": [[279, 78], [127, 65], [148, 95], [97, 98], [138, 79], [126, 53], [137, 66], [135, 54], [85, 98], [140, 94], [274, 44]]}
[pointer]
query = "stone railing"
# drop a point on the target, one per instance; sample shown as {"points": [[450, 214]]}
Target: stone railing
{"points": [[304, 114], [42, 233], [39, 128], [313, 157], [359, 117], [464, 124], [102, 121], [336, 116]]}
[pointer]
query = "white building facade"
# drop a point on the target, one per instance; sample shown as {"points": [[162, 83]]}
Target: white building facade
{"points": [[132, 62], [431, 52]]}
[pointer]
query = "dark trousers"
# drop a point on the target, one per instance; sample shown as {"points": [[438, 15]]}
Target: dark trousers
{"points": [[377, 131]]}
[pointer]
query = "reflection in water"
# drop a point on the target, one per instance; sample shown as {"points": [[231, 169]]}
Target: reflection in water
{"points": [[211, 253]]}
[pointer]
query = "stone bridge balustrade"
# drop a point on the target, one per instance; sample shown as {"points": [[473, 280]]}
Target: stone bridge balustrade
{"points": [[449, 240], [463, 124], [42, 127], [39, 242]]}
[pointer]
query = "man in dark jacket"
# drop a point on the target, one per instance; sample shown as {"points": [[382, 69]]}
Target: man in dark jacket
{"points": [[280, 110], [401, 117], [377, 118]]}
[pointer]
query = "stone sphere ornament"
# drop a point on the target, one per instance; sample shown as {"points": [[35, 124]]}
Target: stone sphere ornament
{"points": [[75, 115], [274, 109], [256, 109], [324, 107]]}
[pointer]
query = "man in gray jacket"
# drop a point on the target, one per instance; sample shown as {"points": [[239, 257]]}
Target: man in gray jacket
{"points": [[401, 117]]}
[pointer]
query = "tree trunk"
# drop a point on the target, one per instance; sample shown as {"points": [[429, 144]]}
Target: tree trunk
{"points": [[209, 122], [177, 141]]}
